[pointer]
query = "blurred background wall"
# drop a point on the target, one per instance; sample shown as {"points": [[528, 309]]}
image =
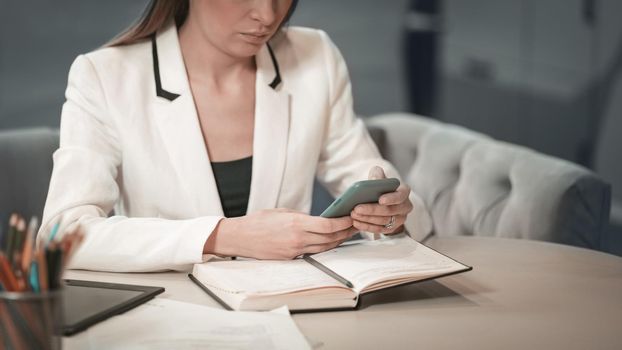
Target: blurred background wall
{"points": [[542, 73]]}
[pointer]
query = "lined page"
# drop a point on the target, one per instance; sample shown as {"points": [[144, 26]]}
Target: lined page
{"points": [[399, 259], [262, 276]]}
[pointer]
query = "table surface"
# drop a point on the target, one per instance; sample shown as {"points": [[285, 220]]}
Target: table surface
{"points": [[520, 294]]}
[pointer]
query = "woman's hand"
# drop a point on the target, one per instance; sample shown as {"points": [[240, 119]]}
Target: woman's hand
{"points": [[388, 215], [277, 234]]}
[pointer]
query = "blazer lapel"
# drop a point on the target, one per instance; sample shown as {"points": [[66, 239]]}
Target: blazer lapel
{"points": [[272, 106], [179, 128], [178, 125]]}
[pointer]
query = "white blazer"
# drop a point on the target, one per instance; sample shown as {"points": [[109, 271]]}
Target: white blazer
{"points": [[130, 140]]}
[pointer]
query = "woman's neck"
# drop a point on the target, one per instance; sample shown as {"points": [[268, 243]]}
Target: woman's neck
{"points": [[206, 63]]}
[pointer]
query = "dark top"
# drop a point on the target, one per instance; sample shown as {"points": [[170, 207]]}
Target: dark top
{"points": [[233, 180]]}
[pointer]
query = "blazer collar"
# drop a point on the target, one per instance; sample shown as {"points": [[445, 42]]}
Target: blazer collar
{"points": [[168, 80], [178, 126]]}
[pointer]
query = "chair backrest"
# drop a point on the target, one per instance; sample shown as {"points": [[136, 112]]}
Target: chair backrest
{"points": [[474, 185], [26, 166], [608, 162]]}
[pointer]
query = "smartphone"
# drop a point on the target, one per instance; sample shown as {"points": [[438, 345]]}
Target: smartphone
{"points": [[367, 191]]}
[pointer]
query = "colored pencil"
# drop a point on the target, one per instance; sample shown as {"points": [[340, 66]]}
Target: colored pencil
{"points": [[11, 236], [54, 231], [27, 253], [18, 244], [34, 277], [15, 341], [9, 278], [2, 238], [26, 267], [43, 270]]}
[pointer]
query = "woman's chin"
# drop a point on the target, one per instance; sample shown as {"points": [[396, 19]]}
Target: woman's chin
{"points": [[246, 50]]}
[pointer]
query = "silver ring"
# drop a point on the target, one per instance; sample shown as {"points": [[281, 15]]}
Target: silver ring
{"points": [[391, 222]]}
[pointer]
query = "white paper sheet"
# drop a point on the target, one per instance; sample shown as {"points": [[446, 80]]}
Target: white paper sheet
{"points": [[169, 324]]}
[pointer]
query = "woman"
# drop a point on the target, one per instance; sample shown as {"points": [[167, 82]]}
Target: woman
{"points": [[203, 127]]}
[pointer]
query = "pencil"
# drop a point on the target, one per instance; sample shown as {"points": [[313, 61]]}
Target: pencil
{"points": [[28, 316], [53, 258], [18, 243], [21, 280], [2, 239], [29, 244], [43, 271], [9, 278], [58, 273], [34, 277], [55, 230], [11, 236], [29, 266], [13, 334], [328, 271], [5, 280]]}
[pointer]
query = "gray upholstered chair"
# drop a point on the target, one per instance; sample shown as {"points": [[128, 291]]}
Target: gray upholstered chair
{"points": [[608, 154], [25, 170], [474, 185]]}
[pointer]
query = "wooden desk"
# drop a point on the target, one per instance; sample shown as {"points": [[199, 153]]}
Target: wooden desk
{"points": [[520, 295]]}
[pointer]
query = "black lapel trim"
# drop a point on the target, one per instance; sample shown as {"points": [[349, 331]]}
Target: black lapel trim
{"points": [[277, 78], [156, 73]]}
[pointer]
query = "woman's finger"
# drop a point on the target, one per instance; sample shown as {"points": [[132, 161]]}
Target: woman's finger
{"points": [[319, 224], [318, 248], [376, 173], [399, 196], [367, 227], [383, 210], [398, 229], [311, 238], [372, 219]]}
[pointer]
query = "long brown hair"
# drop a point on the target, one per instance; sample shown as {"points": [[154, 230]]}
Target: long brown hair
{"points": [[157, 15]]}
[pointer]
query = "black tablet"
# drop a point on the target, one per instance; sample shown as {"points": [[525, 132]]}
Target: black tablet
{"points": [[86, 302]]}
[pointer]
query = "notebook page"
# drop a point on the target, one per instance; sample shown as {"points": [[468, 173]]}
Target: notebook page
{"points": [[262, 276], [391, 258]]}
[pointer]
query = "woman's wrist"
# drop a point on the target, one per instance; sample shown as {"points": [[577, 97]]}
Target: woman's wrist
{"points": [[222, 241]]}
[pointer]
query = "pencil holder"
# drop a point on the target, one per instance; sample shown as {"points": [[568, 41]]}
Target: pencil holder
{"points": [[31, 320]]}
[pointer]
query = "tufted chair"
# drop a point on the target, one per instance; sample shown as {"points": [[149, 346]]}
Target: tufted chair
{"points": [[471, 184], [474, 185]]}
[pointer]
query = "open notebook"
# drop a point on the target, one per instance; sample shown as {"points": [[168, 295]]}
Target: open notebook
{"points": [[367, 265]]}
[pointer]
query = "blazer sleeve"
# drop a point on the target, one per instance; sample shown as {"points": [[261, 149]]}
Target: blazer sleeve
{"points": [[348, 152], [83, 190]]}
